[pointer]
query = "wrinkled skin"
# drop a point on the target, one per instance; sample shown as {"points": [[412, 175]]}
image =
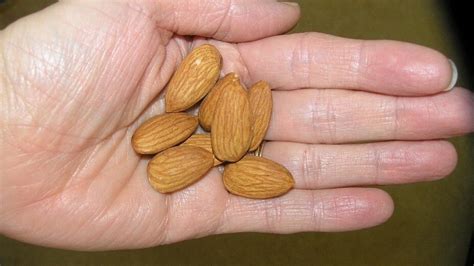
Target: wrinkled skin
{"points": [[77, 78]]}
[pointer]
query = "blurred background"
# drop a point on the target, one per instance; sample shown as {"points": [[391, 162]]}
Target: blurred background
{"points": [[433, 222]]}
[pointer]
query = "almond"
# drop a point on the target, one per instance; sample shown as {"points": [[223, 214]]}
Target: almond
{"points": [[202, 141], [208, 106], [178, 167], [230, 134], [257, 178], [162, 132], [193, 79], [261, 104]]}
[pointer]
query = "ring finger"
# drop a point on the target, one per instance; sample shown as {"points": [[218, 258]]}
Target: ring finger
{"points": [[330, 166]]}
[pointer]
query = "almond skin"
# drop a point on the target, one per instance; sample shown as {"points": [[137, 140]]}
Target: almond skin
{"points": [[202, 141], [231, 130], [257, 178], [261, 104], [208, 106], [178, 167], [193, 79], [162, 132]]}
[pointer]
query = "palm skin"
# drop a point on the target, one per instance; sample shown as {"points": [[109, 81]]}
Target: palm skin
{"points": [[78, 78]]}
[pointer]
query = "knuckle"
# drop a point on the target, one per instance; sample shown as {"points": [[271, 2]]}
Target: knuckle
{"points": [[223, 14], [341, 207], [323, 115], [311, 171], [394, 163], [273, 215], [301, 60]]}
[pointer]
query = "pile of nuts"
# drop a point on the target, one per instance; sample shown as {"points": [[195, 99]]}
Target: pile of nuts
{"points": [[237, 120]]}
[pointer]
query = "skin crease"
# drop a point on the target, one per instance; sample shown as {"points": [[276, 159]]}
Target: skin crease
{"points": [[78, 78]]}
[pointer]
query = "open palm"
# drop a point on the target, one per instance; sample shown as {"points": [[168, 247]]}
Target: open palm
{"points": [[79, 77]]}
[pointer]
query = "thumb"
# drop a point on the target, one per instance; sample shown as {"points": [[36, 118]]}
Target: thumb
{"points": [[224, 20], [229, 20]]}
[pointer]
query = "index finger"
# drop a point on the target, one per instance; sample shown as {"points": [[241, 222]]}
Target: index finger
{"points": [[323, 61]]}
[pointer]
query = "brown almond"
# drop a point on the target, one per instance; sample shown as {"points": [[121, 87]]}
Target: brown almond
{"points": [[178, 167], [257, 178], [194, 78], [208, 106], [202, 141], [231, 130], [163, 131], [261, 104]]}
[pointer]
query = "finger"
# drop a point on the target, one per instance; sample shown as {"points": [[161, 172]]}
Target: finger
{"points": [[341, 116], [230, 20], [329, 166], [323, 61], [301, 211], [236, 20]]}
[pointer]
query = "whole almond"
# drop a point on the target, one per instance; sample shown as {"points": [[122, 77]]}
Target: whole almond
{"points": [[257, 178], [162, 132], [178, 167], [261, 104], [193, 79], [231, 130], [208, 106], [202, 141]]}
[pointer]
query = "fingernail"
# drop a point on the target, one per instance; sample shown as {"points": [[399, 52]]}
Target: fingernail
{"points": [[293, 4], [454, 76]]}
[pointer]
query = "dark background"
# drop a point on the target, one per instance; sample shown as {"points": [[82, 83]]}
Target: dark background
{"points": [[432, 223], [459, 16]]}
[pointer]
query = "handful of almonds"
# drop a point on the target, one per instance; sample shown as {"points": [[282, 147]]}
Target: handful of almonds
{"points": [[237, 120]]}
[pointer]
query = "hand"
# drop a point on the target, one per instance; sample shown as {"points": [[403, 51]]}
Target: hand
{"points": [[78, 78]]}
